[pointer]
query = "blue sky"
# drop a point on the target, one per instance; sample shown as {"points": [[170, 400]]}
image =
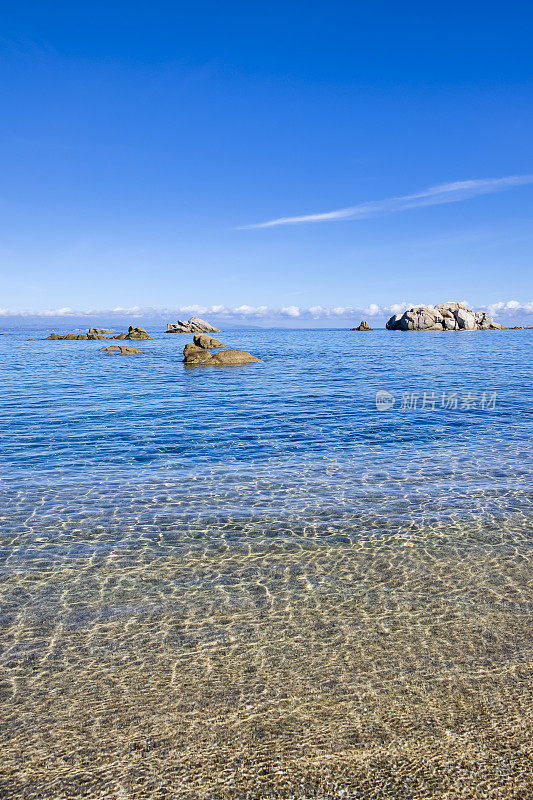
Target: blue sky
{"points": [[140, 143]]}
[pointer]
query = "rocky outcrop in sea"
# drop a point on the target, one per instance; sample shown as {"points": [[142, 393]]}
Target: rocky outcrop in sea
{"points": [[198, 354], [363, 326], [134, 332], [194, 325], [71, 337], [207, 342], [443, 317]]}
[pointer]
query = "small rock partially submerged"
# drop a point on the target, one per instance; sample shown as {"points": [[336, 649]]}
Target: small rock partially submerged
{"points": [[194, 325], [207, 342], [123, 350], [199, 356], [363, 326], [99, 330], [443, 317], [134, 332], [229, 358]]}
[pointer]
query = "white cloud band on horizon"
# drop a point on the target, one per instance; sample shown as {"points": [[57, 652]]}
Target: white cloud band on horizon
{"points": [[509, 308], [435, 195]]}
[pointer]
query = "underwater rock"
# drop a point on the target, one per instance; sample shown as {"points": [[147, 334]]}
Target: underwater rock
{"points": [[123, 350]]}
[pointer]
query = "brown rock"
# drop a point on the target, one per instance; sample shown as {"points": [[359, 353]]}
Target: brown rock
{"points": [[363, 326], [192, 354], [31, 340], [137, 333], [206, 341], [198, 356], [72, 337], [133, 333], [229, 358]]}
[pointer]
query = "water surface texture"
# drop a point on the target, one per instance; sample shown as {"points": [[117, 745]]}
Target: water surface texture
{"points": [[248, 582]]}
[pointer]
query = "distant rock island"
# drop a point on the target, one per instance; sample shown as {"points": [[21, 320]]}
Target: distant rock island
{"points": [[363, 326], [194, 325], [443, 317]]}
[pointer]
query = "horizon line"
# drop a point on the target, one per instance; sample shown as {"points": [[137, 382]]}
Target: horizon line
{"points": [[263, 312]]}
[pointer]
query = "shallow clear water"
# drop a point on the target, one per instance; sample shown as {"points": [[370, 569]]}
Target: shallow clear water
{"points": [[191, 555]]}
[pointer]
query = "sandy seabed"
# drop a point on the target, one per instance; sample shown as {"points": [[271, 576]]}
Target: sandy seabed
{"points": [[390, 668]]}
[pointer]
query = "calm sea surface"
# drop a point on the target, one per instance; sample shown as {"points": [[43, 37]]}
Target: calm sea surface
{"points": [[249, 582]]}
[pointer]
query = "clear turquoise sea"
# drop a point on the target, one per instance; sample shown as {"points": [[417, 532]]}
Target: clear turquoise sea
{"points": [[92, 441]]}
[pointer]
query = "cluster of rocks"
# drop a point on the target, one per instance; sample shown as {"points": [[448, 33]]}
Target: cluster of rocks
{"points": [[134, 332], [77, 337], [443, 317], [363, 326], [194, 325], [96, 333], [198, 354]]}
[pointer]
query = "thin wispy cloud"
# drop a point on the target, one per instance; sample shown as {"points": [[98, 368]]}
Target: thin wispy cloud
{"points": [[436, 195]]}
